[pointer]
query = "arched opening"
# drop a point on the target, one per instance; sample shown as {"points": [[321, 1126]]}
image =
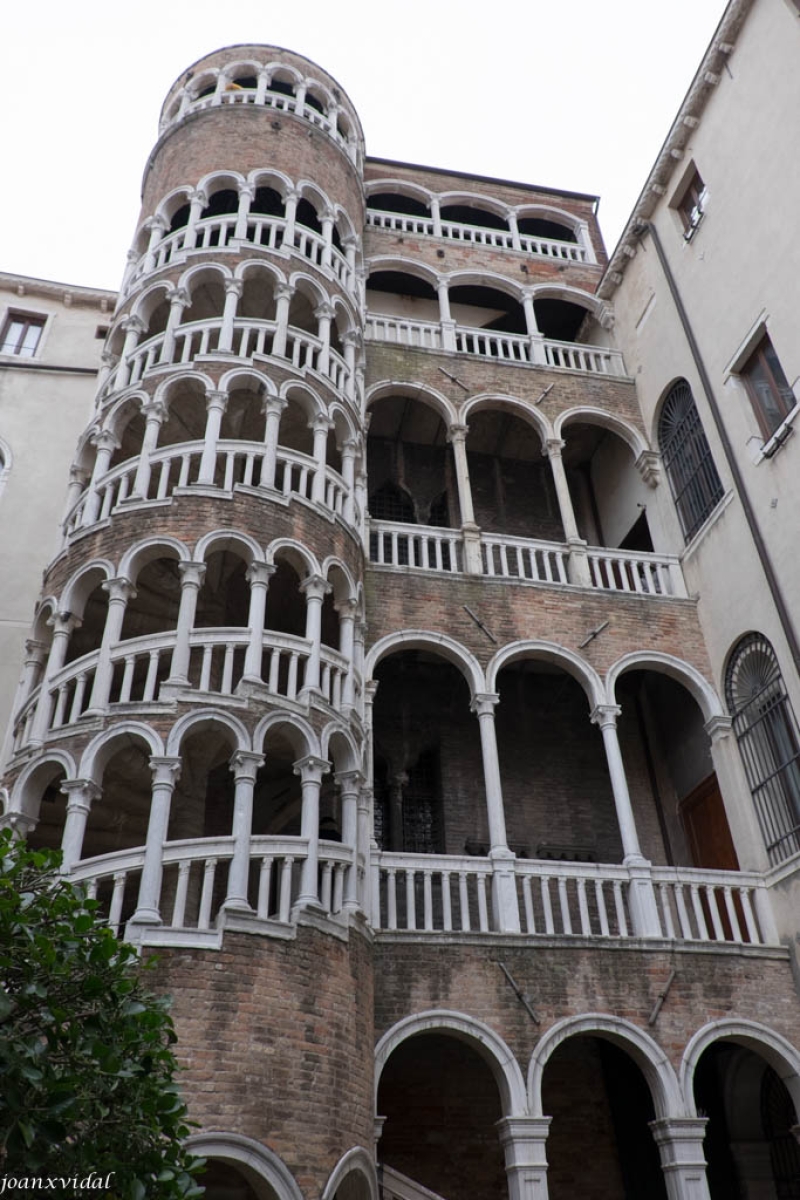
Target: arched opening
{"points": [[302, 308], [549, 748], [696, 487], [129, 428], [399, 294], [394, 202], [442, 1103], [185, 421], [286, 607], [118, 818], [44, 787], [545, 227], [422, 736], [306, 215], [563, 320], [277, 799], [600, 1102], [156, 319], [267, 202], [609, 496], [749, 1145], [257, 301], [471, 213], [243, 419], [207, 298], [154, 607], [224, 1181], [179, 219], [484, 307], [90, 607], [224, 202], [224, 597], [511, 480]]}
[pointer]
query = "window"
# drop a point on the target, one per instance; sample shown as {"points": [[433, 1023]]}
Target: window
{"points": [[691, 206], [767, 386], [696, 486], [21, 334], [767, 733]]}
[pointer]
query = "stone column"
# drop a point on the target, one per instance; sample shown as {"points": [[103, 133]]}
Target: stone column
{"points": [[156, 227], [155, 413], [326, 221], [364, 843], [233, 290], [523, 1140], [273, 407], [316, 589], [641, 897], [283, 300], [349, 786], [310, 769], [62, 625], [191, 581], [133, 328], [131, 259], [261, 86], [351, 343], [320, 427], [166, 772], [258, 576], [290, 217], [578, 561], [106, 444], [370, 688], [535, 338], [457, 437], [80, 794], [349, 446], [120, 591], [244, 765], [216, 403], [516, 244], [350, 247], [436, 216], [246, 193], [348, 611], [33, 670], [324, 315], [445, 318], [196, 205], [680, 1145], [178, 301], [504, 889]]}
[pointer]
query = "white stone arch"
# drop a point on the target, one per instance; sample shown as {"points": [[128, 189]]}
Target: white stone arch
{"points": [[347, 228], [260, 266], [165, 389], [343, 305], [475, 200], [243, 377], [356, 1161], [207, 717], [23, 793], [296, 553], [334, 731], [142, 553], [437, 643], [102, 747], [207, 78], [275, 68], [228, 539], [168, 205], [231, 180], [344, 425], [320, 91], [251, 65], [666, 664], [481, 1037], [403, 266], [425, 394], [565, 291], [297, 730], [279, 181], [332, 562], [215, 270], [549, 212], [403, 187], [241, 1151], [490, 279], [145, 304], [503, 402], [299, 392], [301, 281], [610, 421], [570, 662], [6, 462], [752, 1035], [646, 1053], [74, 596], [117, 418]]}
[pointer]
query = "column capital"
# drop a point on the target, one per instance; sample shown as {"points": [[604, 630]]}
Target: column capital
{"points": [[350, 239], [245, 764], [19, 823], [165, 769], [216, 399], [154, 410], [197, 196], [191, 573], [483, 703], [156, 222], [179, 297], [347, 610], [119, 589], [311, 769], [604, 716], [234, 287], [80, 793], [351, 337], [104, 439], [349, 447], [259, 573], [35, 649], [320, 423], [370, 688], [324, 311], [349, 781], [648, 464], [315, 587], [554, 447], [457, 432], [284, 291], [274, 404], [64, 623], [443, 282], [718, 727], [247, 188], [132, 324]]}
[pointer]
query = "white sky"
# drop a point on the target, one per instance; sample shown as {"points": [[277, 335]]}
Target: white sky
{"points": [[576, 94]]}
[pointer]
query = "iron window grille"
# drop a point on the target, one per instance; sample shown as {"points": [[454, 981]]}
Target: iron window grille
{"points": [[767, 733], [692, 205], [696, 486], [768, 388]]}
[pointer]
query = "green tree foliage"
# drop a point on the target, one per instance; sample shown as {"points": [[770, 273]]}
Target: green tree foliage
{"points": [[86, 1062]]}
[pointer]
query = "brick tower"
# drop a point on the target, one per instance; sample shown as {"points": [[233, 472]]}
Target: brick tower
{"points": [[367, 688]]}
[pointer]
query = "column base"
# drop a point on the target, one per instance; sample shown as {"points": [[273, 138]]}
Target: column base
{"points": [[146, 916]]}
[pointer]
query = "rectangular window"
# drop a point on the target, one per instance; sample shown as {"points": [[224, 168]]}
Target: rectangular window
{"points": [[691, 205], [767, 387], [21, 334]]}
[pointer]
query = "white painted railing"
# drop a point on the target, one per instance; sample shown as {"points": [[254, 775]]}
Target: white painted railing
{"points": [[489, 343], [216, 666], [636, 571], [396, 545], [478, 235], [395, 1186], [250, 337], [444, 894], [524, 558], [178, 466], [195, 875]]}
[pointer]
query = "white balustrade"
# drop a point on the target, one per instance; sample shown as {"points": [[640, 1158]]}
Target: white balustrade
{"points": [[477, 234], [574, 356], [636, 571], [433, 893], [426, 334], [710, 906], [399, 222], [430, 549], [509, 347], [573, 899], [524, 558]]}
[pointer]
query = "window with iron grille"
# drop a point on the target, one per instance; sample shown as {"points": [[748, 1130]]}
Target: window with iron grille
{"points": [[696, 486], [21, 334], [767, 733], [778, 1117], [768, 388], [692, 204]]}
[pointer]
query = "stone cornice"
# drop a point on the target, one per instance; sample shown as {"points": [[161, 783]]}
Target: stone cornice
{"points": [[69, 293]]}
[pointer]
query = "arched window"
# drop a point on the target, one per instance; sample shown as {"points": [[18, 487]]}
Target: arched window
{"points": [[767, 733], [696, 486]]}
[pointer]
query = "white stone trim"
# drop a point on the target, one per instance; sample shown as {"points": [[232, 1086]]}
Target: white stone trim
{"points": [[763, 1041], [570, 662], [207, 716], [101, 748], [243, 1151], [439, 643], [355, 1161]]}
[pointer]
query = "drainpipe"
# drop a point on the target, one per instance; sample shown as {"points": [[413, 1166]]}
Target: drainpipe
{"points": [[738, 479]]}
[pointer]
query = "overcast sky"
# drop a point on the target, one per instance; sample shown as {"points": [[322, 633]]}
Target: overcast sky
{"points": [[577, 94]]}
